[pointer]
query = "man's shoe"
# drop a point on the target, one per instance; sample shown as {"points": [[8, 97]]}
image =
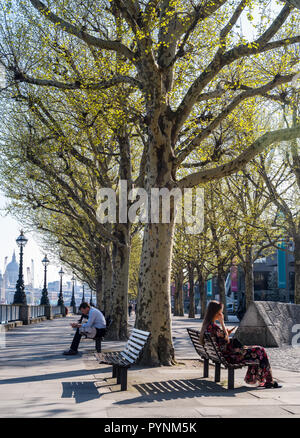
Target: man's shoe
{"points": [[70, 352]]}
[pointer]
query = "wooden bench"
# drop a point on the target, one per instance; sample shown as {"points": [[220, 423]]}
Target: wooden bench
{"points": [[194, 335], [122, 360], [211, 351]]}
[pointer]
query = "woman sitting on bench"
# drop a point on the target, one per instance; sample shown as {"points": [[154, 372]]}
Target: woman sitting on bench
{"points": [[234, 352]]}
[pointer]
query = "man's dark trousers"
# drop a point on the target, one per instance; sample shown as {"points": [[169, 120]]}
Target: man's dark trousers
{"points": [[77, 337]]}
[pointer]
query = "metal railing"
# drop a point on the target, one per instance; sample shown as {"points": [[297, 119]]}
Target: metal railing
{"points": [[56, 310], [36, 311], [75, 310], [9, 313]]}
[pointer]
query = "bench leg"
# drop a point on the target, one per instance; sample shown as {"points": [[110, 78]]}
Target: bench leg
{"points": [[217, 372], [123, 378], [114, 371], [206, 368], [98, 345], [230, 378], [118, 374]]}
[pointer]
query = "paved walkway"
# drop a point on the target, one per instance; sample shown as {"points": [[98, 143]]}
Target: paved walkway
{"points": [[36, 380]]}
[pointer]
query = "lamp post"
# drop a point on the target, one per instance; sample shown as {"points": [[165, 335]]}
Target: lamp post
{"points": [[20, 296], [73, 302], [91, 300], [60, 301], [45, 299]]}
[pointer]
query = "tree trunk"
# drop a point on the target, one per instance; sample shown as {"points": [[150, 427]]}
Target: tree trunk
{"points": [[154, 298], [153, 306], [221, 277], [297, 269], [120, 280], [106, 281], [202, 291], [99, 288], [178, 298], [249, 278], [191, 291]]}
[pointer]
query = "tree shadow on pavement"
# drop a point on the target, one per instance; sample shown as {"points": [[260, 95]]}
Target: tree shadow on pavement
{"points": [[181, 389]]}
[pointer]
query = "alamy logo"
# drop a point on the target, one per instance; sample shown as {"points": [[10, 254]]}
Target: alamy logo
{"points": [[155, 207], [296, 337]]}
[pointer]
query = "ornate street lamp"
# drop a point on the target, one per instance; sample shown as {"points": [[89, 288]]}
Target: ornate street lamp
{"points": [[73, 302], [60, 301], [20, 296], [91, 300], [83, 298], [45, 299]]}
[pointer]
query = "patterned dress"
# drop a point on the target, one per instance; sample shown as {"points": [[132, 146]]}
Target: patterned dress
{"points": [[256, 373]]}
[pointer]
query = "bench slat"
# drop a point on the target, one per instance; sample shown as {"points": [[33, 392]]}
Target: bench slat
{"points": [[129, 359], [195, 338], [142, 332], [132, 348], [139, 336], [132, 356], [134, 344], [138, 341], [214, 351]]}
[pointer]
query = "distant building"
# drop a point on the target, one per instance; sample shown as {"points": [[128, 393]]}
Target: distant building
{"points": [[9, 280], [11, 273]]}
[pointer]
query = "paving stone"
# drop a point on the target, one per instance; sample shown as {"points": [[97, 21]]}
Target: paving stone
{"points": [[153, 412], [245, 412], [292, 409]]}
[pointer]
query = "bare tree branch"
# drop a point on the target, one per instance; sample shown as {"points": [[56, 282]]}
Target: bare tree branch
{"points": [[239, 162], [233, 104], [221, 60], [115, 46]]}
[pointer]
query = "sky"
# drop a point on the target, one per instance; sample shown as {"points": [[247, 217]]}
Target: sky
{"points": [[9, 231]]}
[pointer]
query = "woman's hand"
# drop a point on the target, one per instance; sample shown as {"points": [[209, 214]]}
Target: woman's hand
{"points": [[229, 331], [221, 318]]}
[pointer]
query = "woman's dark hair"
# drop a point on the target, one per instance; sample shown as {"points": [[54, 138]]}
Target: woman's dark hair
{"points": [[212, 309], [84, 305]]}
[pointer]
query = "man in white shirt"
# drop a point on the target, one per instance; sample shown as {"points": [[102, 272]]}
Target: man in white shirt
{"points": [[93, 328]]}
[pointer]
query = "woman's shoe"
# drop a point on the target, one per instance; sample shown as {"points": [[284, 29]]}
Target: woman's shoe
{"points": [[269, 385]]}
